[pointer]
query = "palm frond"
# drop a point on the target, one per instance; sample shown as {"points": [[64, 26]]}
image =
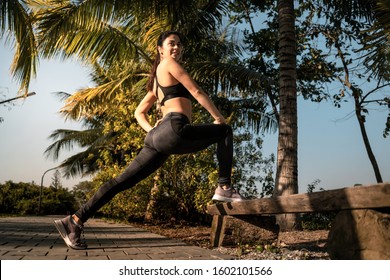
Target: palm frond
{"points": [[253, 111], [83, 163], [128, 76], [352, 8], [377, 43], [206, 17], [16, 18], [93, 101], [67, 139], [70, 29], [235, 75], [62, 95]]}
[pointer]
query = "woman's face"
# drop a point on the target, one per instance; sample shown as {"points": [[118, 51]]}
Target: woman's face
{"points": [[171, 47]]}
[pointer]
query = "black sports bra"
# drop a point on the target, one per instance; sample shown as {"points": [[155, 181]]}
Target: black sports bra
{"points": [[174, 91]]}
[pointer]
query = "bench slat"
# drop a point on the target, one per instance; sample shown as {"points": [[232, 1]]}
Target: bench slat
{"points": [[360, 197]]}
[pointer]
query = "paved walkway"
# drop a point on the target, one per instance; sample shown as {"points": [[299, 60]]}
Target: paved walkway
{"points": [[36, 238]]}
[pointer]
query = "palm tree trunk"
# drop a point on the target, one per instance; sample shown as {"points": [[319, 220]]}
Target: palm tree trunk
{"points": [[286, 181]]}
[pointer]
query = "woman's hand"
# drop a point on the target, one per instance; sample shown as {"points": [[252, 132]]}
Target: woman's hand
{"points": [[220, 120], [158, 122]]}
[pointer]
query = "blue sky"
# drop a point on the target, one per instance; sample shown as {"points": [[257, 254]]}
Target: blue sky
{"points": [[330, 146]]}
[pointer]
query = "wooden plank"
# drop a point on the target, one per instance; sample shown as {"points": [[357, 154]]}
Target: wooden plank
{"points": [[361, 197]]}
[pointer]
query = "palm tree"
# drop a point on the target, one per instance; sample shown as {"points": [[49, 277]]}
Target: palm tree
{"points": [[286, 181], [16, 21]]}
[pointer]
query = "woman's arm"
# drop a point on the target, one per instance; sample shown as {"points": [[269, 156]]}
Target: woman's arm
{"points": [[181, 75], [141, 113]]}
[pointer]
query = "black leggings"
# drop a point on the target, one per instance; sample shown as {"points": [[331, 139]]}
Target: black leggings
{"points": [[174, 135]]}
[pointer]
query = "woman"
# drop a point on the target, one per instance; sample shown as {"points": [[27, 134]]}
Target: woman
{"points": [[171, 85]]}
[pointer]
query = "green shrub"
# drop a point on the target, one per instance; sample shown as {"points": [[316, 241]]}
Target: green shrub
{"points": [[23, 198]]}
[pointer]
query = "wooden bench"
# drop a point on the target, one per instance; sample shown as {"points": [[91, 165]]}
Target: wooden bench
{"points": [[351, 198]]}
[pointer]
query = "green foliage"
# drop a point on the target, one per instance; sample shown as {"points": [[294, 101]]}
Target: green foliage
{"points": [[23, 198], [127, 204], [82, 191], [17, 198]]}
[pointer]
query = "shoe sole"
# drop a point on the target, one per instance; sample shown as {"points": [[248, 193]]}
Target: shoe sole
{"points": [[61, 229], [217, 197]]}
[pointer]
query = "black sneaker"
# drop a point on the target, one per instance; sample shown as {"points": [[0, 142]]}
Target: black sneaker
{"points": [[70, 231]]}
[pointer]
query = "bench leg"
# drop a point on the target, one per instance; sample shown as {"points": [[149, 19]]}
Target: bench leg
{"points": [[218, 230]]}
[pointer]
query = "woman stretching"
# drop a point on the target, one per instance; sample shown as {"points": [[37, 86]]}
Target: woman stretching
{"points": [[172, 86]]}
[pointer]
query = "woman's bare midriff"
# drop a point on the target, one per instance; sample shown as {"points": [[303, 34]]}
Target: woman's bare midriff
{"points": [[178, 105]]}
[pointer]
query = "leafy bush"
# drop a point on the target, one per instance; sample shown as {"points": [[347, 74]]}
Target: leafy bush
{"points": [[23, 198]]}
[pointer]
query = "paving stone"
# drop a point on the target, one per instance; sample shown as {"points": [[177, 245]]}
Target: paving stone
{"points": [[36, 238], [11, 257]]}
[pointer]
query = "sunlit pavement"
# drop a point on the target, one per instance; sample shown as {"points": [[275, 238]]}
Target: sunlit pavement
{"points": [[36, 238]]}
